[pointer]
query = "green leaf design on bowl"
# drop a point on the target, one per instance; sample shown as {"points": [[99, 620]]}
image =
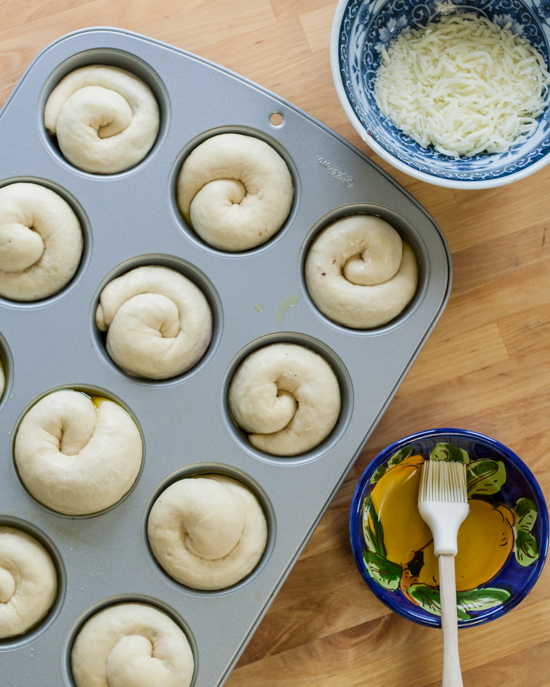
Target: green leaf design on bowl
{"points": [[379, 473], [526, 514], [485, 477], [527, 550], [481, 599], [374, 536], [395, 459], [473, 600], [449, 453], [399, 456], [386, 573], [426, 597]]}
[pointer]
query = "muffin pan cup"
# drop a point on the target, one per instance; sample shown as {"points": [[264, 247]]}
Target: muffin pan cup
{"points": [[259, 297]]}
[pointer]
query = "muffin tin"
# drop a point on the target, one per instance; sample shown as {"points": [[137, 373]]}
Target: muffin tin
{"points": [[257, 297]]}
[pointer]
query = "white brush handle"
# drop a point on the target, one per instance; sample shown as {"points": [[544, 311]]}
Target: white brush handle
{"points": [[452, 675]]}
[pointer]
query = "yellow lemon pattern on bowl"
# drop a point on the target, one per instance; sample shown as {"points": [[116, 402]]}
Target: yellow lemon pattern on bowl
{"points": [[399, 552]]}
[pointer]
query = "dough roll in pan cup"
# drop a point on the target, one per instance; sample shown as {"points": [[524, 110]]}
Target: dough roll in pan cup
{"points": [[158, 323], [360, 273], [105, 119], [207, 532], [40, 242], [77, 455], [235, 191], [286, 397], [28, 582], [252, 299], [131, 644]]}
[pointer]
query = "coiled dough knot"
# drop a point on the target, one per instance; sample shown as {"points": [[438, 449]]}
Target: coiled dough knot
{"points": [[106, 119], [28, 582], [235, 191], [158, 323], [286, 397], [40, 242], [360, 273], [77, 454], [131, 645], [207, 532]]}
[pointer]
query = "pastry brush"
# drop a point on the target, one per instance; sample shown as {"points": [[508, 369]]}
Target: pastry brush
{"points": [[443, 504]]}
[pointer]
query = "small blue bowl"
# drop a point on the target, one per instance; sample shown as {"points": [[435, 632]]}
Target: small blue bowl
{"points": [[495, 475], [361, 27]]}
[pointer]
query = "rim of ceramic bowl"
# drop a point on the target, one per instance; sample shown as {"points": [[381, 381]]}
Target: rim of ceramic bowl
{"points": [[379, 150], [409, 612]]}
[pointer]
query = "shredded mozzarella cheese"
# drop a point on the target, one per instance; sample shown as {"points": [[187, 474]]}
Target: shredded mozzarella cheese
{"points": [[464, 85]]}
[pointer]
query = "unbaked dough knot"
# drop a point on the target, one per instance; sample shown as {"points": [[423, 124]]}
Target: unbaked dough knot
{"points": [[40, 242], [106, 119], [378, 258], [360, 273], [28, 582], [207, 532], [212, 519], [236, 191], [21, 246], [78, 455], [158, 323], [286, 397], [131, 664], [131, 645]]}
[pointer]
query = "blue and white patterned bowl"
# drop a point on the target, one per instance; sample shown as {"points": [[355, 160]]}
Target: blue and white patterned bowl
{"points": [[361, 27]]}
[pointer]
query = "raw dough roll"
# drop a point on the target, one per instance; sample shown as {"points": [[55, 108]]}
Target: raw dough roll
{"points": [[360, 273], [286, 397], [131, 645], [106, 119], [207, 532], [40, 242], [28, 582], [77, 454], [235, 191], [158, 323]]}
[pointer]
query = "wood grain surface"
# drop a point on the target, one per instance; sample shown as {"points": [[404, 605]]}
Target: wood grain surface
{"points": [[486, 366]]}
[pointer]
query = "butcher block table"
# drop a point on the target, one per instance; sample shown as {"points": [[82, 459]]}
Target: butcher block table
{"points": [[485, 367]]}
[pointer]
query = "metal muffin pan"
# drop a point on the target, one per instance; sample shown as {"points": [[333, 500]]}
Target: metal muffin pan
{"points": [[257, 297]]}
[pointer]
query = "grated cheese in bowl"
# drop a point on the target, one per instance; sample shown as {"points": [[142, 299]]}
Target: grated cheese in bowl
{"points": [[463, 84]]}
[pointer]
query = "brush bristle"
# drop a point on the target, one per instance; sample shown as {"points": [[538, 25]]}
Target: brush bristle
{"points": [[443, 482]]}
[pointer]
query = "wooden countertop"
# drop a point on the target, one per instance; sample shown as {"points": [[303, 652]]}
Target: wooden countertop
{"points": [[486, 366]]}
